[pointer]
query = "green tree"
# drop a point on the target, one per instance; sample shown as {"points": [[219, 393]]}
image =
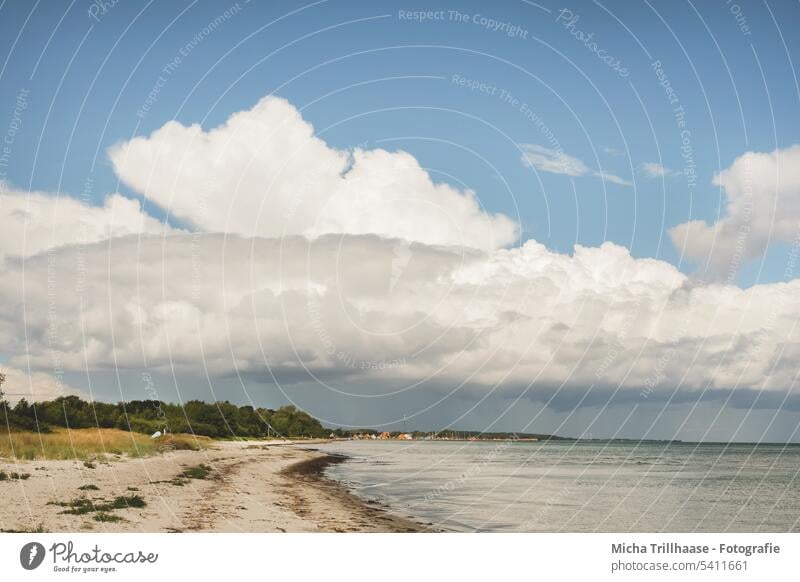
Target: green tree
{"points": [[221, 419]]}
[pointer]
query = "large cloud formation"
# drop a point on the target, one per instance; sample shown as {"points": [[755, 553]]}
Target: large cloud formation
{"points": [[762, 206], [340, 307], [265, 173], [308, 263]]}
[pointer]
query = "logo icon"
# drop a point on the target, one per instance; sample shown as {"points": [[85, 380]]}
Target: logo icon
{"points": [[31, 555]]}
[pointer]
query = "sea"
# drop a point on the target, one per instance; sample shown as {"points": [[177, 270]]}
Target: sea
{"points": [[577, 486]]}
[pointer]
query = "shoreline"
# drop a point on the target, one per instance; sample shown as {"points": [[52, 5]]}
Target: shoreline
{"points": [[311, 471], [234, 486]]}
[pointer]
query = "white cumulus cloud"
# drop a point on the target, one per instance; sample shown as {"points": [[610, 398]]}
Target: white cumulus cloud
{"points": [[310, 263], [339, 308], [265, 173], [36, 221], [762, 207]]}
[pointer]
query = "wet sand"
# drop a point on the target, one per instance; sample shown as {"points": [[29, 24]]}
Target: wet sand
{"points": [[251, 487]]}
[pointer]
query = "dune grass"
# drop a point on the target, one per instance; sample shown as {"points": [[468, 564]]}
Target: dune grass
{"points": [[199, 472], [100, 508], [91, 443]]}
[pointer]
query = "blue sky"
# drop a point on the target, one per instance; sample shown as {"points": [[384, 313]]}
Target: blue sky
{"points": [[362, 74]]}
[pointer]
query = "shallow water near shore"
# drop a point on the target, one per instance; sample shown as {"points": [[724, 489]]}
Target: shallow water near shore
{"points": [[578, 486]]}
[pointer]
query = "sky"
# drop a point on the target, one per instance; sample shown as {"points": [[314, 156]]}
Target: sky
{"points": [[578, 218]]}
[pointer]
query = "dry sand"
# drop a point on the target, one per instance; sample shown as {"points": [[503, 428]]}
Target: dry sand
{"points": [[252, 487]]}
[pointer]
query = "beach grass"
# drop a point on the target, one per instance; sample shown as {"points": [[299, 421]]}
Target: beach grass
{"points": [[14, 476], [199, 472], [107, 517], [89, 444], [83, 505]]}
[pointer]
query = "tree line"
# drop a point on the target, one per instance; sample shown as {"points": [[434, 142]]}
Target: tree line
{"points": [[217, 420]]}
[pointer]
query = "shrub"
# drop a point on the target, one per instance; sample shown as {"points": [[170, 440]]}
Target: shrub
{"points": [[107, 517], [125, 501], [199, 472]]}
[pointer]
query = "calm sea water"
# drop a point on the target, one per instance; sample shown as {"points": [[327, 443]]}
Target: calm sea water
{"points": [[579, 487]]}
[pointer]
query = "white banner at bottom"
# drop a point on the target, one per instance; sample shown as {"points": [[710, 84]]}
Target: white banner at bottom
{"points": [[396, 557]]}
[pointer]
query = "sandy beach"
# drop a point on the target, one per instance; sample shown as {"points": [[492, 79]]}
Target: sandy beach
{"points": [[248, 487]]}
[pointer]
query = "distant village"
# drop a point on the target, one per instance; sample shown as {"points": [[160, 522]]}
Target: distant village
{"points": [[385, 436], [445, 435]]}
